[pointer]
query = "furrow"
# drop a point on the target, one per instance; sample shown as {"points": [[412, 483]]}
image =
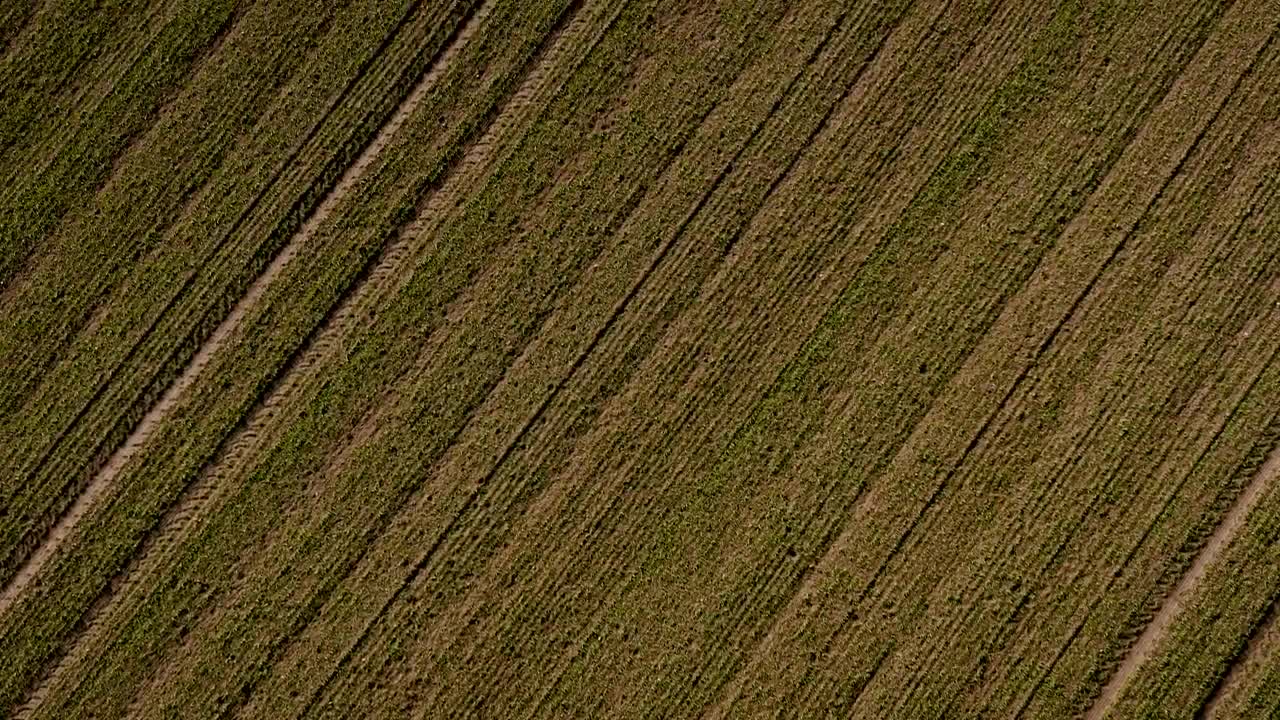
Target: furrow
{"points": [[142, 432]]}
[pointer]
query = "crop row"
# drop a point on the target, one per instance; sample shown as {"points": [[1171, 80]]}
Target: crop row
{"points": [[1001, 466], [1222, 613], [1251, 688], [322, 273], [504, 484], [1000, 599], [80, 258], [164, 311], [332, 163], [549, 140], [509, 432], [544, 254], [757, 454], [61, 152], [531, 631], [13, 18]]}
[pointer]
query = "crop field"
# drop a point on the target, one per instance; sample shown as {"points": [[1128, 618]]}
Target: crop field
{"points": [[639, 358]]}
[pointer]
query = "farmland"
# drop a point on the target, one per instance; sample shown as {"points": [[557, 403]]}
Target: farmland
{"points": [[573, 358]]}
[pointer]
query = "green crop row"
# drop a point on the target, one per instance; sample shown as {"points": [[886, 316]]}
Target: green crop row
{"points": [[33, 202], [528, 630], [787, 425], [1222, 613], [1253, 689], [517, 479], [393, 337], [524, 178], [168, 328], [59, 44], [273, 333], [13, 18]]}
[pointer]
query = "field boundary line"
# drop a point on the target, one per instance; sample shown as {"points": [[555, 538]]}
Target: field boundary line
{"points": [[146, 427]]}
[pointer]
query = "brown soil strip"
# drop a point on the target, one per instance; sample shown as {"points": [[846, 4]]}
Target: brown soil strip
{"points": [[105, 479], [1147, 643]]}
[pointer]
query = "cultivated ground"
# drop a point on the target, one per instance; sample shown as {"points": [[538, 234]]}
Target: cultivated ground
{"points": [[632, 358]]}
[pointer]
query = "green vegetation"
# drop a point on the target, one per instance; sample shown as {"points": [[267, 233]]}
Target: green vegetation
{"points": [[579, 358]]}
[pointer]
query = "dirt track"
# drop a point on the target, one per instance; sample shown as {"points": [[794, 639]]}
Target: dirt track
{"points": [[881, 367], [102, 481]]}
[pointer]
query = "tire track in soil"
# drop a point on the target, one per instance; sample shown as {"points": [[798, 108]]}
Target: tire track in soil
{"points": [[1227, 529], [1077, 446], [1082, 442], [389, 267], [532, 94], [29, 549], [733, 687], [515, 442], [106, 477], [91, 319], [1072, 636], [1147, 643], [1017, 611], [1253, 653]]}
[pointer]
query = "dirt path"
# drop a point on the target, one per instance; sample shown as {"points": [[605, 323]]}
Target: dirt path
{"points": [[106, 478], [390, 272], [1156, 630]]}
